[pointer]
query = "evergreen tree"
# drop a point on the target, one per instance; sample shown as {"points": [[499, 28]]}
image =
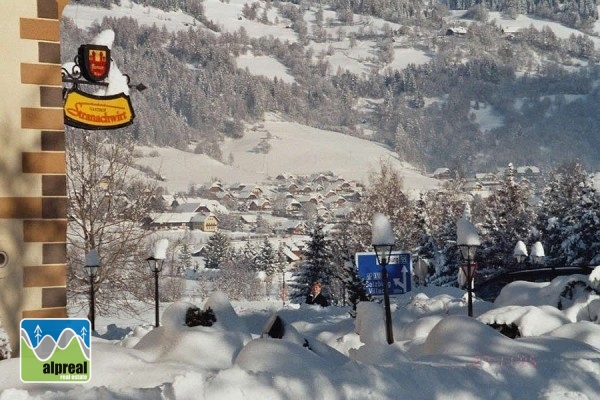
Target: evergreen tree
{"points": [[185, 259], [561, 197], [425, 245], [508, 219], [581, 244], [316, 266], [249, 252], [349, 285], [265, 261], [218, 250]]}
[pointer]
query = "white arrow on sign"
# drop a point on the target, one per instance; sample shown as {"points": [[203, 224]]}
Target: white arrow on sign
{"points": [[38, 332], [399, 282]]}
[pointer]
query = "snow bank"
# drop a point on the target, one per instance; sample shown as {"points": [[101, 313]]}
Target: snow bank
{"points": [[465, 336], [583, 331], [531, 321], [213, 347]]}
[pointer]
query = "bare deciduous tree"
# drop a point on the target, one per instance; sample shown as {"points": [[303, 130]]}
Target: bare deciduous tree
{"points": [[107, 202]]}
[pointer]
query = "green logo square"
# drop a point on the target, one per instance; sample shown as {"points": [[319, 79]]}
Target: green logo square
{"points": [[55, 350]]}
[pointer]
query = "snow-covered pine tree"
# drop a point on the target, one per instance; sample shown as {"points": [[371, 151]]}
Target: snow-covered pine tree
{"points": [[350, 287], [561, 196], [443, 208], [508, 219], [425, 246], [218, 250], [315, 268], [249, 251], [581, 244], [265, 261], [185, 259]]}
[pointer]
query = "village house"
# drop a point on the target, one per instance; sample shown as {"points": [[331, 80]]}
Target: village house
{"points": [[195, 213], [291, 227], [511, 33], [248, 222], [293, 206], [442, 174], [204, 222], [181, 220], [259, 205], [530, 172], [247, 194], [456, 31], [334, 201]]}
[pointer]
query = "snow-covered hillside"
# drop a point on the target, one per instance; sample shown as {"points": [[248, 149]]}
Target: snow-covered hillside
{"points": [[295, 149], [339, 49]]}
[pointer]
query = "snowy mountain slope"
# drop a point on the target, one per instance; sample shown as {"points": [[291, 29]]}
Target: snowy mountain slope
{"points": [[360, 56], [295, 148]]}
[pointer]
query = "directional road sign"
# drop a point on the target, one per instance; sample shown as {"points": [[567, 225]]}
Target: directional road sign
{"points": [[399, 273]]}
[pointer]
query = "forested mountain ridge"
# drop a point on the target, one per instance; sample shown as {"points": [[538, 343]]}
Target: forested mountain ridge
{"points": [[543, 88]]}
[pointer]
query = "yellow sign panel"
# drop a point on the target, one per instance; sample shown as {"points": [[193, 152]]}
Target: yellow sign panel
{"points": [[87, 111]]}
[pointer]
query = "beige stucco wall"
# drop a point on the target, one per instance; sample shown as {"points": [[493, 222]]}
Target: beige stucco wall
{"points": [[32, 202]]}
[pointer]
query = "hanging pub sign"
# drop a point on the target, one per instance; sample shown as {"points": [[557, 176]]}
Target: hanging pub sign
{"points": [[94, 62], [91, 67], [88, 111]]}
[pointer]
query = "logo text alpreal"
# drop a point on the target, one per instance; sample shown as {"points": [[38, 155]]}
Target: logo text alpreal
{"points": [[62, 368]]}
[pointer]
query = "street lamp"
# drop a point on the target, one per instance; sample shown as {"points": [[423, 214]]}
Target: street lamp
{"points": [[537, 253], [468, 241], [383, 242], [155, 262], [520, 252], [92, 263]]}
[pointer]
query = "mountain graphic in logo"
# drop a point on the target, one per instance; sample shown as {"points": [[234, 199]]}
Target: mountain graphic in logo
{"points": [[55, 350]]}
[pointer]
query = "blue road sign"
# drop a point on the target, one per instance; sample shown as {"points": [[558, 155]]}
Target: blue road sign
{"points": [[399, 273]]}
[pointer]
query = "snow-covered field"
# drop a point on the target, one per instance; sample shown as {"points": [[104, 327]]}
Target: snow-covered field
{"points": [[438, 353], [295, 148]]}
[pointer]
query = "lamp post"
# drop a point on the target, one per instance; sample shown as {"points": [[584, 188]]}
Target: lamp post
{"points": [[537, 253], [92, 263], [383, 242], [468, 242], [520, 252], [155, 262], [283, 288]]}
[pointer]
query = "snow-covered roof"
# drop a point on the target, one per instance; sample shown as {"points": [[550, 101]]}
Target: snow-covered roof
{"points": [[171, 218]]}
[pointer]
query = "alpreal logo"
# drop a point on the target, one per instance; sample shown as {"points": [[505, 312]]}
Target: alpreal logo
{"points": [[55, 350]]}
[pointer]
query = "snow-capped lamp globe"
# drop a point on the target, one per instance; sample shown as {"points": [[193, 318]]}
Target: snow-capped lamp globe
{"points": [[520, 252], [467, 240], [383, 238], [92, 263], [155, 262], [537, 253], [383, 241]]}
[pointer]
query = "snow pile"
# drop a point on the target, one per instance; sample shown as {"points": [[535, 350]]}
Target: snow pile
{"points": [[530, 320], [261, 350], [212, 347]]}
